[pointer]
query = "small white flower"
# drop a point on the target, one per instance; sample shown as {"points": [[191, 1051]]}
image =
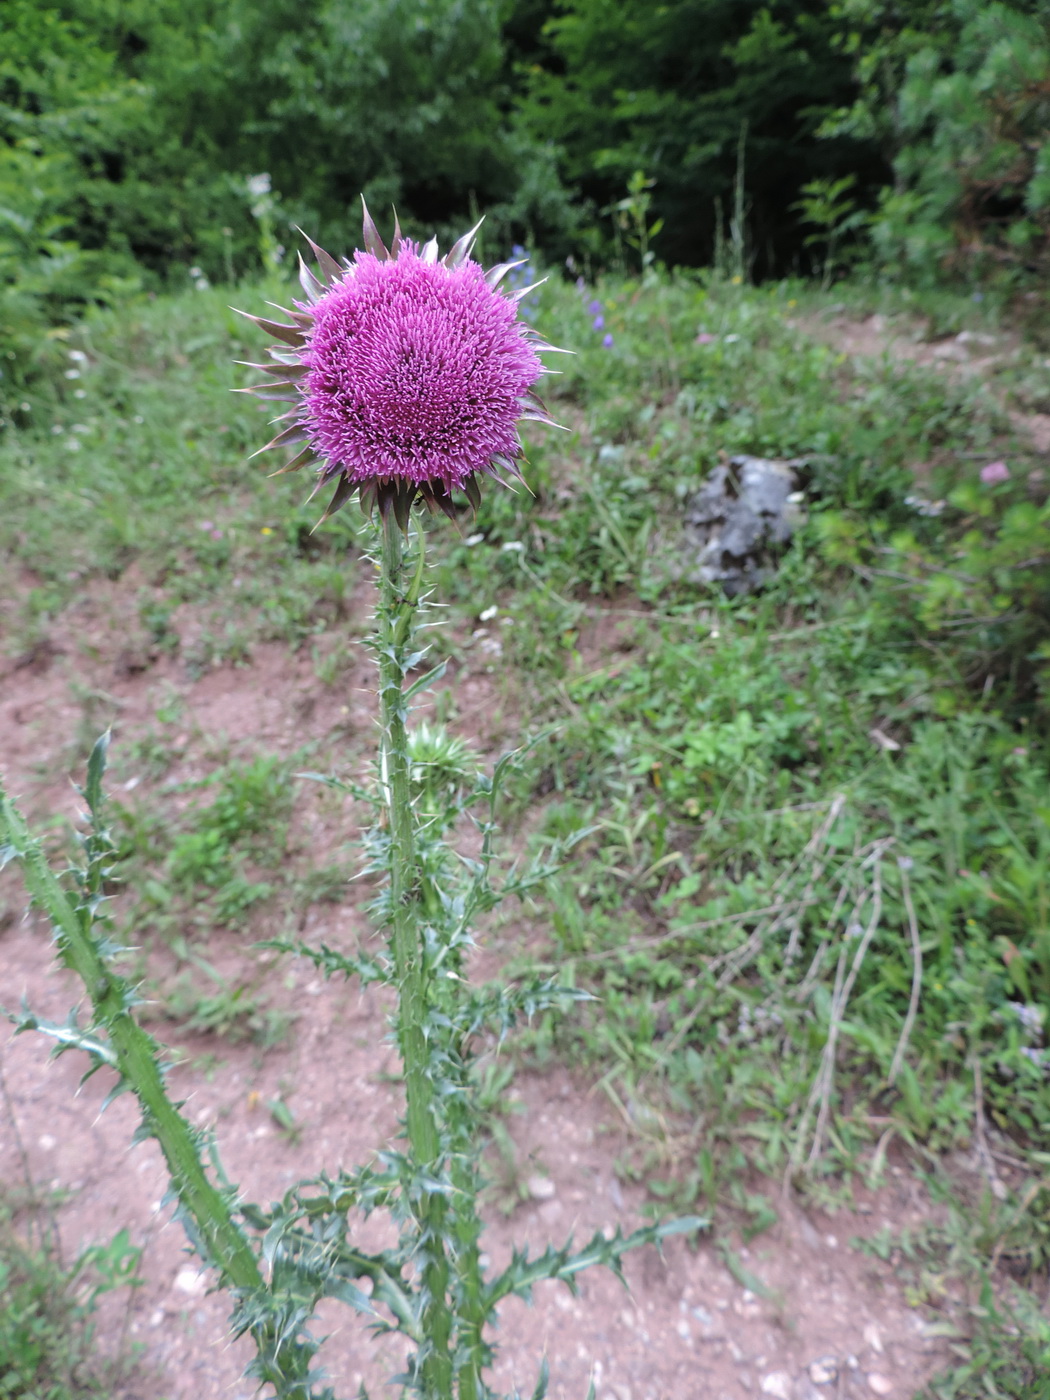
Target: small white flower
{"points": [[72, 374]]}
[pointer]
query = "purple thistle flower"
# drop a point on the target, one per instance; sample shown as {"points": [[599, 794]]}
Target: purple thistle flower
{"points": [[407, 376]]}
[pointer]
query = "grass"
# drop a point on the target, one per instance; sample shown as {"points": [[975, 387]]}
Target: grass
{"points": [[47, 1349], [813, 896]]}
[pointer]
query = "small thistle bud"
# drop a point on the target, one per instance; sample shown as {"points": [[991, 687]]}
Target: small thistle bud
{"points": [[406, 376]]}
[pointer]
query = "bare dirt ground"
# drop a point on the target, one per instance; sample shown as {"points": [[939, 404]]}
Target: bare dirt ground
{"points": [[829, 1321], [967, 355]]}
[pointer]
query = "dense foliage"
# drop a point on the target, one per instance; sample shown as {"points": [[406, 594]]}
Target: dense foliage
{"points": [[139, 140]]}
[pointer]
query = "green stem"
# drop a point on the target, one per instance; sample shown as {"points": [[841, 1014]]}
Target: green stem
{"points": [[136, 1061], [134, 1055], [399, 598]]}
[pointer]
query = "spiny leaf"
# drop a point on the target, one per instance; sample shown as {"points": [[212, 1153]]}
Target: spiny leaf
{"points": [[92, 789], [495, 275], [373, 243], [313, 288], [291, 335], [300, 460], [296, 433], [343, 492], [460, 250], [330, 269]]}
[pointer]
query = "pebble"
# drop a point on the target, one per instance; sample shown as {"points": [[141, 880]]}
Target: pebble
{"points": [[540, 1188], [881, 1385], [778, 1384], [191, 1281], [824, 1371], [873, 1339]]}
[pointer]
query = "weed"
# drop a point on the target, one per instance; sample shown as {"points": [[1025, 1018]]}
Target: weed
{"points": [[46, 1339]]}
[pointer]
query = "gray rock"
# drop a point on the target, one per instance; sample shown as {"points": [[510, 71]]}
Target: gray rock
{"points": [[739, 517], [824, 1371]]}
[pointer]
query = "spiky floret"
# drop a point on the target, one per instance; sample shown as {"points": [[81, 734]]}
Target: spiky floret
{"points": [[406, 375]]}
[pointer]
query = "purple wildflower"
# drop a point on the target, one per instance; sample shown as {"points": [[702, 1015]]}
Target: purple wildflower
{"points": [[598, 323], [607, 340], [704, 338], [593, 308], [994, 473], [407, 376]]}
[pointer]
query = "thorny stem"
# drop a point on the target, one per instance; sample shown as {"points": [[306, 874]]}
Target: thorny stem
{"points": [[399, 598], [136, 1062], [134, 1055]]}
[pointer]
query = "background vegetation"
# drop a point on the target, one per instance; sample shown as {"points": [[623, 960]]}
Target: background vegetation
{"points": [[139, 140]]}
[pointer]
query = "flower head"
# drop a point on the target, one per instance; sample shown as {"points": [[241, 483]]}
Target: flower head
{"points": [[994, 473], [407, 376]]}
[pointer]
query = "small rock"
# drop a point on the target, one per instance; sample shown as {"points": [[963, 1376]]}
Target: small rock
{"points": [[47, 1142], [778, 1384], [190, 1281], [873, 1339], [682, 1329], [824, 1371], [738, 522], [978, 338], [881, 1385], [540, 1188], [951, 351]]}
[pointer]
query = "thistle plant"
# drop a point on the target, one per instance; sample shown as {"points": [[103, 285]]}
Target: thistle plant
{"points": [[405, 377]]}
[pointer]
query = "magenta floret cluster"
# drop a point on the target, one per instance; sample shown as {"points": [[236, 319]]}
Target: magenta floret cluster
{"points": [[404, 376], [416, 371]]}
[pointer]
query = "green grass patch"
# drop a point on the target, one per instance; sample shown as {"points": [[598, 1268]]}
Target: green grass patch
{"points": [[813, 896]]}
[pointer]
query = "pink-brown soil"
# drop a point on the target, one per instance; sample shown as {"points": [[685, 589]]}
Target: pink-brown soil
{"points": [[831, 1320]]}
